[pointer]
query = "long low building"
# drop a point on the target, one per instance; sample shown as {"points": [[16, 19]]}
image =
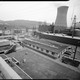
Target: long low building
{"points": [[6, 45], [62, 39], [4, 42], [56, 48]]}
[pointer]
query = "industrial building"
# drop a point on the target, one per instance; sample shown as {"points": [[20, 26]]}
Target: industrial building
{"points": [[60, 23], [46, 28]]}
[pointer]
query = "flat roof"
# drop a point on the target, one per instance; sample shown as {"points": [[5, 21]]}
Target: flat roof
{"points": [[39, 67], [55, 47], [4, 42]]}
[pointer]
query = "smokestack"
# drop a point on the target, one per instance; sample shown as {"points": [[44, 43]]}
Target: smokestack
{"points": [[61, 19]]}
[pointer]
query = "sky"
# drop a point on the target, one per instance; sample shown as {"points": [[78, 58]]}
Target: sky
{"points": [[38, 10]]}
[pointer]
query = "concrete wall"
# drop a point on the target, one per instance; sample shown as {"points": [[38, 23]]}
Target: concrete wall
{"points": [[66, 40]]}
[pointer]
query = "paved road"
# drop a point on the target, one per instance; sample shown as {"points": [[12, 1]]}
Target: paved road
{"points": [[39, 67]]}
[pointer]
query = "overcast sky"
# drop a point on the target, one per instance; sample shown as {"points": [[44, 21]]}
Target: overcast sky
{"points": [[37, 10]]}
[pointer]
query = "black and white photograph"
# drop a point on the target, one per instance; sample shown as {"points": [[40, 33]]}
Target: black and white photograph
{"points": [[40, 40]]}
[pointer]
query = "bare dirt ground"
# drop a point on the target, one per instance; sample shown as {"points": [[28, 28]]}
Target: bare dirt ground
{"points": [[39, 67]]}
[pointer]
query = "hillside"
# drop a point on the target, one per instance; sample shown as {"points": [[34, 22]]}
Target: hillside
{"points": [[21, 23]]}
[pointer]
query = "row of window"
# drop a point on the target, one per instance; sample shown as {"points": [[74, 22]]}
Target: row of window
{"points": [[40, 49]]}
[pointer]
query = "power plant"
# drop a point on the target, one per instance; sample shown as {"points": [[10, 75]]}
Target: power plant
{"points": [[61, 20], [60, 23], [45, 53]]}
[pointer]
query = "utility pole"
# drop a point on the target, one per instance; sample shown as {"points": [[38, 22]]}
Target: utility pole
{"points": [[75, 53], [74, 22], [53, 27]]}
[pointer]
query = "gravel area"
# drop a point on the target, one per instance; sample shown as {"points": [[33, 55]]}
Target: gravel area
{"points": [[39, 67]]}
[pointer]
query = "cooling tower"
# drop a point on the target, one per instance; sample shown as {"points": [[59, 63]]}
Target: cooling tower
{"points": [[61, 20]]}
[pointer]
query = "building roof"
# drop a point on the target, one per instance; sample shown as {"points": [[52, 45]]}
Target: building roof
{"points": [[4, 42]]}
